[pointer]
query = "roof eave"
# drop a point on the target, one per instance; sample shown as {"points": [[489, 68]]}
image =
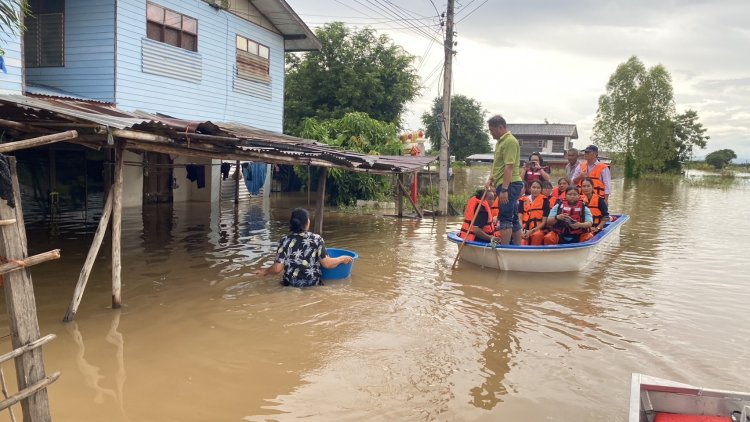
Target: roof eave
{"points": [[297, 35]]}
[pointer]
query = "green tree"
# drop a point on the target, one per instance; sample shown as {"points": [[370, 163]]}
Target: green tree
{"points": [[10, 17], [468, 134], [687, 133], [360, 133], [721, 158], [354, 71], [635, 117]]}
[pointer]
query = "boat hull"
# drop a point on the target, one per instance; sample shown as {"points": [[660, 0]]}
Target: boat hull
{"points": [[553, 258], [651, 395]]}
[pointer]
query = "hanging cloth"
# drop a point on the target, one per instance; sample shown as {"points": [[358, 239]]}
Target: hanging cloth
{"points": [[254, 175]]}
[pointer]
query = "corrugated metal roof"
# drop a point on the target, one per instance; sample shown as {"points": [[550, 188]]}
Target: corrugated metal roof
{"points": [[198, 137], [543, 129], [48, 91]]}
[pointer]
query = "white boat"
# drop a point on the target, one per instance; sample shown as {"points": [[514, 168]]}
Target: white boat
{"points": [[540, 259], [655, 400]]}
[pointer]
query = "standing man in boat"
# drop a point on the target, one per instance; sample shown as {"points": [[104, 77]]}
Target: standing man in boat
{"points": [[571, 165], [505, 179], [596, 170]]}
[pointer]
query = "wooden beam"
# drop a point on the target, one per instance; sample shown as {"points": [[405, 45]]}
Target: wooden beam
{"points": [[320, 206], [238, 173], [35, 388], [31, 346], [406, 193], [21, 305], [23, 127], [399, 196], [117, 227], [83, 278], [35, 142], [30, 261]]}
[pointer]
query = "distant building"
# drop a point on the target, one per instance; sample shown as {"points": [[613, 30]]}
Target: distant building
{"points": [[546, 138]]}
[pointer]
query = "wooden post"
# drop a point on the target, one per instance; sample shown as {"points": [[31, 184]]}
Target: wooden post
{"points": [[21, 305], [399, 196], [405, 192], [83, 278], [238, 171], [117, 226], [321, 200]]}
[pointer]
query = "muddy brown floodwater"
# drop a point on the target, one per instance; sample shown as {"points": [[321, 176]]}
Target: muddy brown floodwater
{"points": [[406, 337]]}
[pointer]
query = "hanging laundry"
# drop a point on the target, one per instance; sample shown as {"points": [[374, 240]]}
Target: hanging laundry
{"points": [[196, 173], [254, 175], [225, 167]]}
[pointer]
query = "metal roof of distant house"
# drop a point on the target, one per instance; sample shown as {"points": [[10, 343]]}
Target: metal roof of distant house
{"points": [[481, 157], [543, 129], [142, 131]]}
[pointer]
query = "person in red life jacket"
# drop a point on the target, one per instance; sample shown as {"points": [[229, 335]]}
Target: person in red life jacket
{"points": [[534, 169], [533, 210], [570, 220], [596, 170], [483, 228], [558, 193], [599, 208]]}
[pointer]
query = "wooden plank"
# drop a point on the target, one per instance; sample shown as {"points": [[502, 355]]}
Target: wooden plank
{"points": [[406, 193], [399, 196], [8, 222], [33, 389], [117, 227], [30, 261], [21, 305], [31, 346], [35, 142], [320, 206], [83, 278]]}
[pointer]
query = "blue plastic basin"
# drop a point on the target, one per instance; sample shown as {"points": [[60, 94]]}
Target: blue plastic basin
{"points": [[343, 270]]}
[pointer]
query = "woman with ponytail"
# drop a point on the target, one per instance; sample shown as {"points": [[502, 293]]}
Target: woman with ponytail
{"points": [[301, 253]]}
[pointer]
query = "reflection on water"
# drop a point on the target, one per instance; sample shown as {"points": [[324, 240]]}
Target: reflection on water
{"points": [[406, 337]]}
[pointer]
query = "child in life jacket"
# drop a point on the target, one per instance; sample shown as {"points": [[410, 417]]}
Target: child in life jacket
{"points": [[597, 205], [546, 189], [558, 193], [533, 210], [483, 229], [570, 220]]}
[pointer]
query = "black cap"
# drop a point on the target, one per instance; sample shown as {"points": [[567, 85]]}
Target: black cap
{"points": [[591, 148]]}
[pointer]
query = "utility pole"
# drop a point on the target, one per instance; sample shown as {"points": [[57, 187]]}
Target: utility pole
{"points": [[445, 122]]}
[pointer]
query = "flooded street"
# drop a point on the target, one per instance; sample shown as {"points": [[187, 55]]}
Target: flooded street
{"points": [[405, 338]]}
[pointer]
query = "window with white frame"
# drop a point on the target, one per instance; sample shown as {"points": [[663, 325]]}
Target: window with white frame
{"points": [[253, 60], [44, 38], [170, 27]]}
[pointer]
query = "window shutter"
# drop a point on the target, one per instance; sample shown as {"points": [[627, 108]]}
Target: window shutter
{"points": [[250, 66], [31, 42], [52, 50]]}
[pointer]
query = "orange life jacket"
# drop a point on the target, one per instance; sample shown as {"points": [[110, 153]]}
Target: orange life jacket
{"points": [[595, 175], [495, 207], [593, 205], [471, 208], [554, 197], [532, 213], [577, 211]]}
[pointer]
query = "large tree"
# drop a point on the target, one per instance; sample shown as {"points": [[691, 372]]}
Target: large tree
{"points": [[635, 117], [354, 71], [687, 133], [721, 158], [467, 135]]}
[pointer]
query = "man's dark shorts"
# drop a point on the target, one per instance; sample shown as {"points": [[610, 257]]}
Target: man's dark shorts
{"points": [[508, 212]]}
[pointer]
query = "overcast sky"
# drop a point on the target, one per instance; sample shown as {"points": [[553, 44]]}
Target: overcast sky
{"points": [[531, 60]]}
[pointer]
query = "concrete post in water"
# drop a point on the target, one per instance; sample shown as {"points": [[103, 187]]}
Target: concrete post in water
{"points": [[321, 200], [117, 226], [21, 305]]}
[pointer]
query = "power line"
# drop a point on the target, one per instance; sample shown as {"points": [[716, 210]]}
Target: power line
{"points": [[475, 9]]}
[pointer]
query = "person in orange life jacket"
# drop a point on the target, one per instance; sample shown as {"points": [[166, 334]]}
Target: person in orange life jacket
{"points": [[570, 220], [596, 170], [559, 192], [534, 169], [483, 228], [533, 210], [546, 189], [599, 208]]}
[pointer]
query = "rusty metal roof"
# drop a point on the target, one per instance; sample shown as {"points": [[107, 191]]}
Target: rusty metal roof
{"points": [[196, 138]]}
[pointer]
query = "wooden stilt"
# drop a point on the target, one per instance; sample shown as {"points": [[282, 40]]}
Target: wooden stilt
{"points": [[83, 278], [399, 196], [117, 227], [405, 192], [21, 305], [237, 183], [35, 142], [321, 200]]}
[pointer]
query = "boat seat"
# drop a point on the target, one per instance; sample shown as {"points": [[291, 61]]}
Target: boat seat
{"points": [[675, 417]]}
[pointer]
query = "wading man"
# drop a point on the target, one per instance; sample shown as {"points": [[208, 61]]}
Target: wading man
{"points": [[505, 179]]}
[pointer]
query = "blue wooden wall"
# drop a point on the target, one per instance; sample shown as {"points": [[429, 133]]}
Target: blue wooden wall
{"points": [[157, 77], [89, 52], [10, 83]]}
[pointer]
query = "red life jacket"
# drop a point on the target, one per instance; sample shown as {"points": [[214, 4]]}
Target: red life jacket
{"points": [[593, 205], [555, 196], [532, 175], [532, 213], [471, 208], [595, 175], [577, 211]]}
